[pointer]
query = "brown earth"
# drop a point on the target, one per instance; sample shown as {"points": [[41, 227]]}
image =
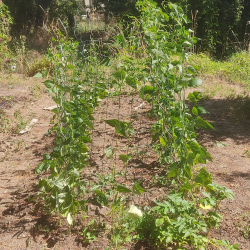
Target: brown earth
{"points": [[24, 225]]}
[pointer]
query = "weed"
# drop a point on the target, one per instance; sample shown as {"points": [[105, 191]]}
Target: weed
{"points": [[36, 90], [122, 232], [5, 123], [14, 124], [246, 153], [19, 122], [20, 145], [91, 231], [244, 225]]}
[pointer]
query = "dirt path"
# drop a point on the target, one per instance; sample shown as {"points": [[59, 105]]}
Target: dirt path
{"points": [[22, 223], [19, 155], [229, 144]]}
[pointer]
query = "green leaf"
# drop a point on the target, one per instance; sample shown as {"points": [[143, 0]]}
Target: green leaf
{"points": [[120, 39], [203, 177], [120, 127], [46, 157], [200, 123], [56, 110], [84, 148], [188, 187], [70, 66], [120, 75], [195, 147], [47, 165], [137, 189], [188, 233], [195, 39], [131, 81], [195, 83], [99, 192], [162, 141], [191, 97], [159, 222], [190, 159], [158, 53], [201, 110], [173, 170], [48, 84], [124, 158], [59, 183], [191, 70], [209, 157], [197, 95], [39, 168], [123, 189], [177, 122], [103, 94], [106, 61], [86, 139], [195, 111], [188, 172], [146, 90], [112, 122], [102, 199], [38, 75], [78, 120], [172, 173], [187, 44], [236, 246]]}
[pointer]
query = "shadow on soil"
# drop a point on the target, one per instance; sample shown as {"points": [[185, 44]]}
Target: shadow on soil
{"points": [[229, 117], [27, 217], [245, 176]]}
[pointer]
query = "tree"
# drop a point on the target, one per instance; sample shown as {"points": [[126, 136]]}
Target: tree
{"points": [[28, 15], [216, 22], [118, 7], [244, 25]]}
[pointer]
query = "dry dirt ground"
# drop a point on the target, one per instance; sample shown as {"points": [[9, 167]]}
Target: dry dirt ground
{"points": [[23, 225]]}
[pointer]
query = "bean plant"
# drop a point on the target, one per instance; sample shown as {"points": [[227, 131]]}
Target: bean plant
{"points": [[73, 90], [153, 56]]}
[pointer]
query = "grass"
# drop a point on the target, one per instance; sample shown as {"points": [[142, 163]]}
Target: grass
{"points": [[40, 64], [224, 79], [229, 79], [88, 26], [244, 225], [13, 124], [217, 88], [17, 58], [235, 69]]}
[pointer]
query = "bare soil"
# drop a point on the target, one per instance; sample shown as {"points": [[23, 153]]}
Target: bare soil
{"points": [[24, 225]]}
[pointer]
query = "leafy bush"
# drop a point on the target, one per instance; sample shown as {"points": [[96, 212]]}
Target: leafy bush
{"points": [[178, 223]]}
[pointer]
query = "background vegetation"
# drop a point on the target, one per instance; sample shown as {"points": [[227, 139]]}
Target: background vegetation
{"points": [[222, 26]]}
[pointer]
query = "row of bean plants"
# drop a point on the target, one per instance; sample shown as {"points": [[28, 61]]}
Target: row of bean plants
{"points": [[153, 59]]}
